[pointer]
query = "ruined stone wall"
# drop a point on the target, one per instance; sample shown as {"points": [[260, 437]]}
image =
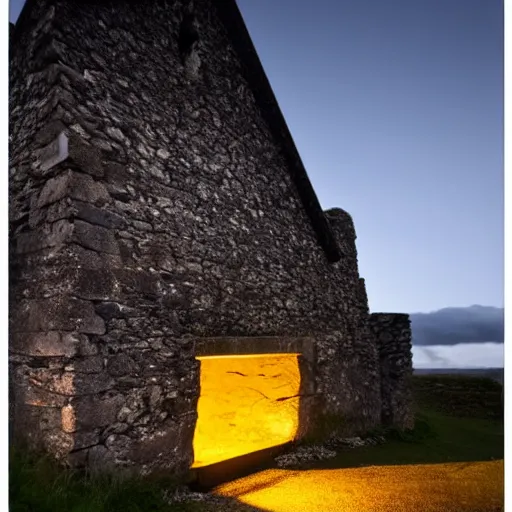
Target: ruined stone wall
{"points": [[393, 335], [174, 217], [359, 371]]}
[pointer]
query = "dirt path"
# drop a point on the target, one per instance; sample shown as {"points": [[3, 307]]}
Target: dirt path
{"points": [[454, 487]]}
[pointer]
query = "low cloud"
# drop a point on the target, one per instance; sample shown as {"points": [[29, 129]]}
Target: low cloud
{"points": [[462, 355], [436, 361], [452, 326]]}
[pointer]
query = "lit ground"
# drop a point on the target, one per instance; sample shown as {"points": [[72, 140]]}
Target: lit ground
{"points": [[453, 487]]}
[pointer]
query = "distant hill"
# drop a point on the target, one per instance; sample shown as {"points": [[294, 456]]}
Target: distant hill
{"points": [[450, 326], [496, 374]]}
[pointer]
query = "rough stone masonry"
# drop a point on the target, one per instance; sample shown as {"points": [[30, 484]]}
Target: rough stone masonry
{"points": [[157, 199]]}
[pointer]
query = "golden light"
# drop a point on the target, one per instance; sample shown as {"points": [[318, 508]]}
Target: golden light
{"points": [[68, 419], [452, 487], [247, 403]]}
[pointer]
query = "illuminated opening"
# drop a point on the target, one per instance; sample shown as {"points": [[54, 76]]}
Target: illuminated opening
{"points": [[247, 403]]}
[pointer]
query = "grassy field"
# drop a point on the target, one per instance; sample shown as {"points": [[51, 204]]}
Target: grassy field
{"points": [[462, 396], [459, 419]]}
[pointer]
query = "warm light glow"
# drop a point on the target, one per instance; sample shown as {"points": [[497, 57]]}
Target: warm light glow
{"points": [[454, 487], [68, 419], [246, 404]]}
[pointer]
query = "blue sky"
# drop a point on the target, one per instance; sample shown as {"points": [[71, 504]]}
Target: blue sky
{"points": [[396, 108]]}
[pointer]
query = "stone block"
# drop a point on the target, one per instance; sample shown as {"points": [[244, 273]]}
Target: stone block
{"points": [[75, 186], [115, 173], [93, 283], [51, 131], [95, 412], [72, 278], [74, 209], [56, 314], [172, 440], [110, 310], [86, 157], [141, 281], [66, 383], [98, 216], [95, 237], [43, 344], [52, 235], [92, 259], [78, 459], [85, 347], [90, 384], [85, 439], [52, 213], [40, 429], [122, 364], [68, 418], [90, 364], [33, 394], [44, 418]]}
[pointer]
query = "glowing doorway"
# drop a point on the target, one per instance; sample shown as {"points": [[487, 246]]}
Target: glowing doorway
{"points": [[247, 403]]}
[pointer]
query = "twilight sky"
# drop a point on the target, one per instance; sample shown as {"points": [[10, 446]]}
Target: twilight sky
{"points": [[396, 108]]}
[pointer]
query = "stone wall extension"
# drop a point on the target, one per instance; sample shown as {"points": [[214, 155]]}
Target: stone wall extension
{"points": [[393, 334]]}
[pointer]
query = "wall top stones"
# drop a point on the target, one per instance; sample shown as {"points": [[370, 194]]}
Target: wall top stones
{"points": [[391, 317], [342, 221]]}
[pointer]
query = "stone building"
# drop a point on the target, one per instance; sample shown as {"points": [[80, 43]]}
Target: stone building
{"points": [[174, 282]]}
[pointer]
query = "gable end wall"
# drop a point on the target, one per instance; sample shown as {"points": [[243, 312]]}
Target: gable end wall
{"points": [[173, 217]]}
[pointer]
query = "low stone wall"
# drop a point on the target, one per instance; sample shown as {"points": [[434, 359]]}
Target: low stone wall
{"points": [[392, 332]]}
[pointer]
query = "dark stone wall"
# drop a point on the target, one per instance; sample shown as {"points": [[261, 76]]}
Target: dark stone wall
{"points": [[173, 216], [32, 99], [393, 334], [358, 360]]}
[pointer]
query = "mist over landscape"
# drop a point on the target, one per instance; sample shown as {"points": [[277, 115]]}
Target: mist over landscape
{"points": [[469, 337]]}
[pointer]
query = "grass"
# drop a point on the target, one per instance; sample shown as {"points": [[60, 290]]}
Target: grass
{"points": [[37, 483], [461, 396], [436, 438], [458, 419]]}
